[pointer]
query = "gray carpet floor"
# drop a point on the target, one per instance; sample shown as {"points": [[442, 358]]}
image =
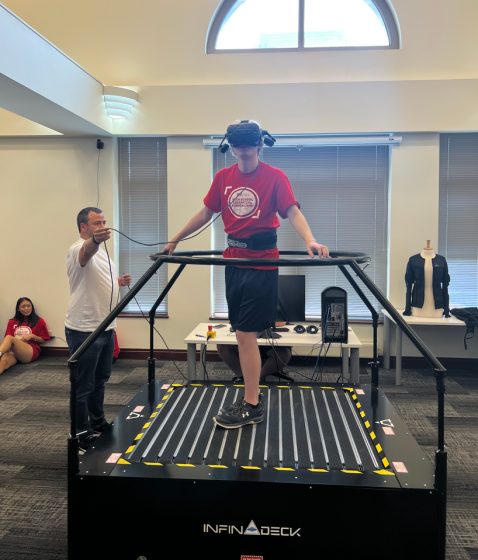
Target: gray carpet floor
{"points": [[34, 424]]}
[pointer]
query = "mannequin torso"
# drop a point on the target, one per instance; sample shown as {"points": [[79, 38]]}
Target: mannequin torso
{"points": [[428, 309]]}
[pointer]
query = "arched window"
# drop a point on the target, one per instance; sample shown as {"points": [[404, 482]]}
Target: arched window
{"points": [[257, 25]]}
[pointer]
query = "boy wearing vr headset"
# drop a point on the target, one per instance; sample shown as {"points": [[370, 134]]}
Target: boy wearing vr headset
{"points": [[249, 194]]}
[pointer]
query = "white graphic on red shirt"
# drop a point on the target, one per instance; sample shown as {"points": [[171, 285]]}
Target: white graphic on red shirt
{"points": [[21, 330], [243, 202]]}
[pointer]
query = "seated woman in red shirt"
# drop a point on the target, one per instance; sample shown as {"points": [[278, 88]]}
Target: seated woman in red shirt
{"points": [[23, 336]]}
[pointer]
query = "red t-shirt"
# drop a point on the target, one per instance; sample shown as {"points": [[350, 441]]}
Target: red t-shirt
{"points": [[15, 328], [249, 203]]}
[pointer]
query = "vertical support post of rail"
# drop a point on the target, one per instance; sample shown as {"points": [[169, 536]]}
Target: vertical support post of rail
{"points": [[441, 463], [374, 364], [152, 313], [73, 460]]}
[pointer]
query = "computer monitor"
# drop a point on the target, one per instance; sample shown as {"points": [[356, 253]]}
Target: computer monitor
{"points": [[291, 298]]}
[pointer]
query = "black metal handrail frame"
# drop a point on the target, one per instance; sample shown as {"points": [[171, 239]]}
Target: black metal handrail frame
{"points": [[340, 259]]}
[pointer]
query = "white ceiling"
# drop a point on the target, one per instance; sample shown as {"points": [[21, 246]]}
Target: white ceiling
{"points": [[158, 48], [145, 42], [162, 42]]}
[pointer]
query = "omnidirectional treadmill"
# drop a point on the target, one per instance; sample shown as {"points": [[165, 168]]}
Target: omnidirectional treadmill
{"points": [[332, 472]]}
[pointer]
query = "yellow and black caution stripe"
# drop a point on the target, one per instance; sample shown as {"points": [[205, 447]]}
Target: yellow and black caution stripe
{"points": [[369, 428], [147, 424]]}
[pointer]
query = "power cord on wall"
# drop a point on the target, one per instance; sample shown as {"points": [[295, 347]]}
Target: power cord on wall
{"points": [[99, 145]]}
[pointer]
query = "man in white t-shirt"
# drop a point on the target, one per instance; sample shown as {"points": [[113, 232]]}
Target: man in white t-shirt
{"points": [[94, 292]]}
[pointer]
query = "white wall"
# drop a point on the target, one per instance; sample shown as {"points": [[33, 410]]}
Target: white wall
{"points": [[46, 181], [162, 43], [413, 205], [428, 86], [330, 108]]}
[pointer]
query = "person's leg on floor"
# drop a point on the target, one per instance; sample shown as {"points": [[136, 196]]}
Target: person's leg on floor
{"points": [[7, 360], [104, 347], [13, 350], [84, 377]]}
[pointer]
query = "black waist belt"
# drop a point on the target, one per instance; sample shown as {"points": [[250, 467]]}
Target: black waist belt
{"points": [[258, 242]]}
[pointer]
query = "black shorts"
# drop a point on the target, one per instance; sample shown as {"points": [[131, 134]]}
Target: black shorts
{"points": [[251, 298]]}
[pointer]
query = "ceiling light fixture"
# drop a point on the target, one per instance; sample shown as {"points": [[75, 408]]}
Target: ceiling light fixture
{"points": [[119, 101]]}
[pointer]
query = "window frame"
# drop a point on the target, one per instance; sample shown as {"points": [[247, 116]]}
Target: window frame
{"points": [[146, 170], [383, 7], [457, 231]]}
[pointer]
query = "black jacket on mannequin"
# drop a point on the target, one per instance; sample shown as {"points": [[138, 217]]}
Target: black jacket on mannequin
{"points": [[415, 281]]}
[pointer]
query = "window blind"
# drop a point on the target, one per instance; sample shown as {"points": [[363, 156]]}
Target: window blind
{"points": [[458, 222], [143, 214], [343, 193]]}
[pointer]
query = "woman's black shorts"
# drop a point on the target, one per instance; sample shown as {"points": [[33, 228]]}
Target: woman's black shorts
{"points": [[251, 298]]}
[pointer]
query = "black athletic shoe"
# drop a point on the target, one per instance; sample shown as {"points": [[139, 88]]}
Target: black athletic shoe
{"points": [[236, 405], [102, 427], [240, 414], [85, 441], [232, 408]]}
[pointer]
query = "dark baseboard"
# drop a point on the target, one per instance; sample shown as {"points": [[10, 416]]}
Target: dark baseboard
{"points": [[55, 351], [416, 362], [181, 356], [172, 355], [137, 354]]}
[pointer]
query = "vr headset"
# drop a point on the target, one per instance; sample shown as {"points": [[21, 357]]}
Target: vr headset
{"points": [[245, 133]]}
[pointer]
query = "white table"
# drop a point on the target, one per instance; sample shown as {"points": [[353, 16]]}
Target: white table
{"points": [[389, 324], [350, 352]]}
